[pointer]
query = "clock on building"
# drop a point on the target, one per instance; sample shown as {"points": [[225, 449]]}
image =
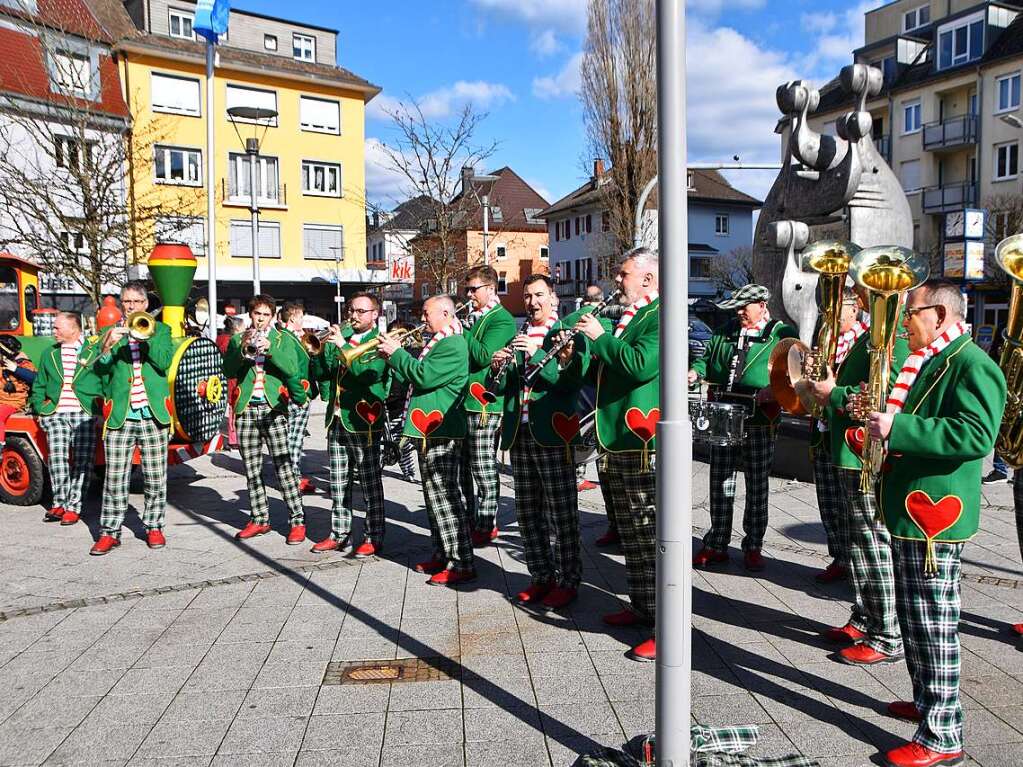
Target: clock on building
{"points": [[974, 224], [955, 224]]}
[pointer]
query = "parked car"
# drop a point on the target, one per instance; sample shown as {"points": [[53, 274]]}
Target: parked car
{"points": [[699, 336]]}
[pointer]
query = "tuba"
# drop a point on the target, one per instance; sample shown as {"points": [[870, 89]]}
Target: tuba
{"points": [[792, 363], [886, 273], [1009, 255]]}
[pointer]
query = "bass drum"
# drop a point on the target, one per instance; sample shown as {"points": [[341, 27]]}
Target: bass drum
{"points": [[198, 390]]}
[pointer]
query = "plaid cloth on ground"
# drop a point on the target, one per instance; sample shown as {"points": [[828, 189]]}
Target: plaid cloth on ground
{"points": [[298, 420], [633, 494], [119, 447], [349, 451], [479, 468], [449, 523], [755, 454], [708, 747], [256, 424], [546, 506], [830, 489], [870, 568], [72, 440], [928, 608]]}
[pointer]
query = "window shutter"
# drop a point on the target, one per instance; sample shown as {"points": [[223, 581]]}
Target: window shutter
{"points": [[320, 114], [589, 223], [237, 96], [175, 94]]}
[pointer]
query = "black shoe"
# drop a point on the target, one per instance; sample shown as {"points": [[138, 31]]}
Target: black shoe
{"points": [[995, 476]]}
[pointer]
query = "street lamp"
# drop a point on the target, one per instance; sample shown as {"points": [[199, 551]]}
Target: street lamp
{"points": [[338, 257], [482, 195], [257, 116]]}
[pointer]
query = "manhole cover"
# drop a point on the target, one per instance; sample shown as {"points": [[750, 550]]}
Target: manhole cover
{"points": [[388, 671], [374, 673]]}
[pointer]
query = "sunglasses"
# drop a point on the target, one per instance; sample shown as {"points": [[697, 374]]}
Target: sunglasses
{"points": [[915, 310], [469, 289]]}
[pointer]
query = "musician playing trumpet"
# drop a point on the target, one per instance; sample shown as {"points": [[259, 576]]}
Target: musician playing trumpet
{"points": [[355, 397], [290, 319]]}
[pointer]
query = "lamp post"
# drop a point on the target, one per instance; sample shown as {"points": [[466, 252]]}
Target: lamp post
{"points": [[258, 116], [338, 251], [482, 194]]}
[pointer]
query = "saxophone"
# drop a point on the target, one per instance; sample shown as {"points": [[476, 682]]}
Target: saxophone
{"points": [[1009, 256]]}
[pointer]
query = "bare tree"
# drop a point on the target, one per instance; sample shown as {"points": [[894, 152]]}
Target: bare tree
{"points": [[619, 99], [430, 156], [732, 270], [1004, 218]]}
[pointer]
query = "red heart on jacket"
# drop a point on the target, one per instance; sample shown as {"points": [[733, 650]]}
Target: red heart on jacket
{"points": [[367, 412], [643, 425], [426, 422], [108, 405], [566, 426], [283, 391], [854, 440], [933, 518], [305, 384], [479, 393]]}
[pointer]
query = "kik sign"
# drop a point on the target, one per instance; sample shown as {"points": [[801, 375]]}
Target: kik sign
{"points": [[403, 269]]}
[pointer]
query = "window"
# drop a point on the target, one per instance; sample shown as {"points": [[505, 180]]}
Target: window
{"points": [[322, 242], [589, 223], [531, 215], [320, 115], [568, 228], [424, 290], [545, 253], [269, 239], [321, 178], [452, 286], [267, 178], [185, 229], [911, 117], [496, 214], [501, 253], [174, 165], [72, 73], [238, 96], [721, 224], [1000, 224], [557, 231], [270, 42], [1008, 92], [181, 24], [303, 47], [605, 222], [67, 151], [178, 95], [577, 226], [916, 18], [973, 103], [909, 173], [960, 41], [699, 267], [1006, 161], [502, 283], [690, 184], [75, 242]]}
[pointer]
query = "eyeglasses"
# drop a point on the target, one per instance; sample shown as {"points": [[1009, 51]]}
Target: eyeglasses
{"points": [[361, 311], [912, 311], [470, 289]]}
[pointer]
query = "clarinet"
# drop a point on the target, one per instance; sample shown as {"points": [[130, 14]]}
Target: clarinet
{"points": [[557, 348], [500, 376]]}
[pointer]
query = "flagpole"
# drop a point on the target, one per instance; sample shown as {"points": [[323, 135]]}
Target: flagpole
{"points": [[211, 196]]}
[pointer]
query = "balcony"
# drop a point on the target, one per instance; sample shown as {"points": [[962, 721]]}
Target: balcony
{"points": [[950, 134], [949, 197], [569, 288]]}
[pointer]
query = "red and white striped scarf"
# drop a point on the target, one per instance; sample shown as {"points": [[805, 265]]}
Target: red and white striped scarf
{"points": [[139, 398], [756, 330], [629, 313], [68, 401], [537, 333], [915, 362], [453, 329], [847, 340], [477, 314]]}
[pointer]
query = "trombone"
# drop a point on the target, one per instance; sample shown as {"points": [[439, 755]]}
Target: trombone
{"points": [[404, 337]]}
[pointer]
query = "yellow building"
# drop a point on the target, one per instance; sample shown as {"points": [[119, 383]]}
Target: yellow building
{"points": [[310, 174]]}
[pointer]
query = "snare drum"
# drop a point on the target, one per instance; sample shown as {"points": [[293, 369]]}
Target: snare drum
{"points": [[717, 423]]}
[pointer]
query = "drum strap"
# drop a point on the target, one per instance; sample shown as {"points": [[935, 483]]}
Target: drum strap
{"points": [[742, 350]]}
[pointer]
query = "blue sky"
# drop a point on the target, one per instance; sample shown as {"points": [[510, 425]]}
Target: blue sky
{"points": [[518, 61]]}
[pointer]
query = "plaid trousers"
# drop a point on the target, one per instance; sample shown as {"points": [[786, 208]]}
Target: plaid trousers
{"points": [[119, 448], [256, 424], [633, 492], [928, 610], [72, 441], [830, 489], [605, 494], [546, 505], [347, 451], [449, 523], [298, 420], [479, 468], [755, 454], [870, 568]]}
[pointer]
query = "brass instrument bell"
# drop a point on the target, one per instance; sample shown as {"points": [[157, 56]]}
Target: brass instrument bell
{"points": [[1009, 445], [141, 325]]}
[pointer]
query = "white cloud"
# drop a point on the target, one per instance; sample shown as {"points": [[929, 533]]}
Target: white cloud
{"points": [[381, 107], [443, 102], [385, 186], [838, 36], [714, 7], [565, 15], [541, 189], [818, 23], [563, 84], [545, 43]]}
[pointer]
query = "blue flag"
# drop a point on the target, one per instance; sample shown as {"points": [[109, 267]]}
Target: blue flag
{"points": [[211, 18]]}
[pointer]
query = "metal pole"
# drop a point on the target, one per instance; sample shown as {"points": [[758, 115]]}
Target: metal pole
{"points": [[486, 227], [674, 433], [211, 197], [252, 147], [337, 277]]}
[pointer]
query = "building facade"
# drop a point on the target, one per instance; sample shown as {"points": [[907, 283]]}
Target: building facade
{"points": [[582, 249], [947, 120]]}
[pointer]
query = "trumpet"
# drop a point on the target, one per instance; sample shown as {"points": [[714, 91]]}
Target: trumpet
{"points": [[405, 337], [141, 325], [557, 348], [249, 348], [313, 340]]}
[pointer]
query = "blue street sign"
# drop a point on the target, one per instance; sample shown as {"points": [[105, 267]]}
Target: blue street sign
{"points": [[211, 18]]}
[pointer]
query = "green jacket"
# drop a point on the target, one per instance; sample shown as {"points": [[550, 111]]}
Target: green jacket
{"points": [[553, 416], [491, 332], [305, 379], [87, 386], [438, 387], [358, 394], [930, 489], [854, 370], [715, 364], [114, 369], [628, 384], [281, 372]]}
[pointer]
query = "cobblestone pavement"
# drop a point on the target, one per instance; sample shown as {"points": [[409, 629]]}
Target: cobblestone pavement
{"points": [[212, 651]]}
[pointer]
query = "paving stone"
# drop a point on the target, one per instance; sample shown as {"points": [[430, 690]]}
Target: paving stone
{"points": [[21, 744], [253, 735], [203, 706], [335, 731], [168, 739], [417, 728], [432, 754], [352, 699]]}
